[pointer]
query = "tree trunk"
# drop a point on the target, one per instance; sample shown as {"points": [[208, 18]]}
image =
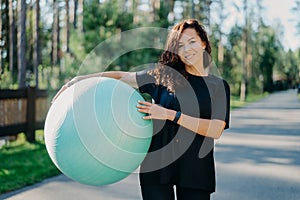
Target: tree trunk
{"points": [[244, 49], [80, 16], [171, 11], [222, 16], [29, 40], [36, 44], [55, 34], [1, 39], [11, 38], [208, 4], [67, 26], [75, 14], [57, 30], [22, 43], [155, 4]]}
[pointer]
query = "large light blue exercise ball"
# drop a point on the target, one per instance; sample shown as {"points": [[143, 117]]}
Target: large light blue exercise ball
{"points": [[94, 133]]}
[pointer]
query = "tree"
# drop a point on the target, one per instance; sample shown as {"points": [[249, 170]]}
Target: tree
{"points": [[12, 60], [217, 33], [36, 44], [55, 48], [245, 54], [67, 22], [75, 14], [268, 53], [233, 59], [289, 68], [207, 6], [255, 76], [296, 10], [1, 39], [79, 19], [22, 43], [102, 21], [161, 12], [199, 10]]}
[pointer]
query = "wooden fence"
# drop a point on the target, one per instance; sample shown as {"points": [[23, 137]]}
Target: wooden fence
{"points": [[22, 110]]}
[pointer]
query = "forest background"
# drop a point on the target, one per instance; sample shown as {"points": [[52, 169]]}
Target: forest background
{"points": [[43, 43]]}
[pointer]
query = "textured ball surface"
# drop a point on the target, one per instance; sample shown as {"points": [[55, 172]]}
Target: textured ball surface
{"points": [[94, 133]]}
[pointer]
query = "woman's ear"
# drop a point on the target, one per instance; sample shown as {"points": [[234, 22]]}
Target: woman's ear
{"points": [[203, 45]]}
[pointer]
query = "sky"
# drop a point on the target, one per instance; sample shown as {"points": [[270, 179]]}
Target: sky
{"points": [[281, 10], [275, 10]]}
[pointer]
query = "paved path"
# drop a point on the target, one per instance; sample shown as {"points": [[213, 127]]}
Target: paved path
{"points": [[258, 158]]}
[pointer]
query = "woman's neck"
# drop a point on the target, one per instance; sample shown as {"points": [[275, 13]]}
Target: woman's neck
{"points": [[197, 71]]}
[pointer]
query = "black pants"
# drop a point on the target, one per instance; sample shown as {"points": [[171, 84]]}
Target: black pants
{"points": [[166, 192]]}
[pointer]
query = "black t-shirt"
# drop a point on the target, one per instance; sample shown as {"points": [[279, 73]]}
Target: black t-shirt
{"points": [[177, 155]]}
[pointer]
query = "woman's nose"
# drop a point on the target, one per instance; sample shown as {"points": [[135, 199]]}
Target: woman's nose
{"points": [[187, 48]]}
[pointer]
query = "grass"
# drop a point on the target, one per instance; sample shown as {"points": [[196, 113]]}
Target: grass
{"points": [[236, 103], [23, 163]]}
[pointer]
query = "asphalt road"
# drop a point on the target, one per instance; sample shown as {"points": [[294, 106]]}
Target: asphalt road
{"points": [[258, 158]]}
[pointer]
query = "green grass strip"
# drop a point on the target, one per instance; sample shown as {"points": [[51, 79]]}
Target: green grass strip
{"points": [[23, 164]]}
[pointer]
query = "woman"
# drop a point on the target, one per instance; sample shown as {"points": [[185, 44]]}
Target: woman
{"points": [[190, 110]]}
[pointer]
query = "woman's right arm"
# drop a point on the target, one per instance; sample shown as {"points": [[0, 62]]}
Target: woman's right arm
{"points": [[127, 77]]}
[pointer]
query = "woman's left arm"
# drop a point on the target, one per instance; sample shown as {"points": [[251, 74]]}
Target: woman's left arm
{"points": [[206, 127]]}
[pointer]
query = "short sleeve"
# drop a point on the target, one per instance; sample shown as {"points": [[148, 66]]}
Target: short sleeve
{"points": [[145, 82], [221, 103]]}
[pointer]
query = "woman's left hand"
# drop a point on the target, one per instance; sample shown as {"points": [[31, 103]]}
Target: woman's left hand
{"points": [[154, 111]]}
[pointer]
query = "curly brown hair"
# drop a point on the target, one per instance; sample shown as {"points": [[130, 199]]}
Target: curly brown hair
{"points": [[169, 61]]}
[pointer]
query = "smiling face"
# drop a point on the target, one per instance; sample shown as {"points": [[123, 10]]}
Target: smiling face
{"points": [[190, 51]]}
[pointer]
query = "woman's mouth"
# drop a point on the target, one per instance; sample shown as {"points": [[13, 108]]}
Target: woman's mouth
{"points": [[187, 57]]}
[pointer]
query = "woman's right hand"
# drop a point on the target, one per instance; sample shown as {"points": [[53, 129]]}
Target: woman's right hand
{"points": [[127, 77]]}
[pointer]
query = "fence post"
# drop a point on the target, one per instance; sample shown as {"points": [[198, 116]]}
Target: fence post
{"points": [[30, 129]]}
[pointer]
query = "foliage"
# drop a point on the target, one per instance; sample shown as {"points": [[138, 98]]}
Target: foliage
{"points": [[6, 80], [104, 19], [233, 59], [268, 53], [296, 10]]}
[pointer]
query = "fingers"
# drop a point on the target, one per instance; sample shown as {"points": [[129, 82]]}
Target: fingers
{"points": [[147, 117], [145, 107], [146, 103]]}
